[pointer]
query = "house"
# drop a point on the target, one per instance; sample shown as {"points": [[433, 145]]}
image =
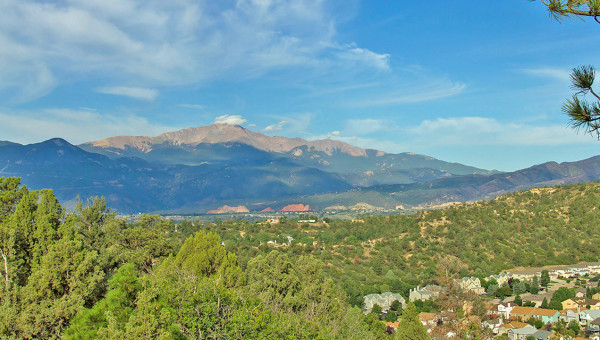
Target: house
{"points": [[471, 284], [494, 325], [596, 296], [569, 315], [581, 303], [547, 316], [501, 278], [502, 310], [521, 333], [522, 313], [384, 301], [428, 292], [587, 316], [594, 326], [542, 335], [503, 329]]}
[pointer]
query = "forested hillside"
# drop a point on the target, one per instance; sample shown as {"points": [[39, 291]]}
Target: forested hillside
{"points": [[555, 225], [87, 274]]}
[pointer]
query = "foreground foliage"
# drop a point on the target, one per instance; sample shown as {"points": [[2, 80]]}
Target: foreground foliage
{"points": [[88, 275]]}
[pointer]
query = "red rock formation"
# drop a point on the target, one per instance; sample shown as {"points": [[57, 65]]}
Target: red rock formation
{"points": [[296, 207], [268, 209], [227, 209]]}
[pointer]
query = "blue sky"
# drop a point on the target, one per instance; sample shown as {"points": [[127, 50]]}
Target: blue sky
{"points": [[476, 82]]}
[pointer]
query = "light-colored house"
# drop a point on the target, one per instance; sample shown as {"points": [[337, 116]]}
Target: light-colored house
{"points": [[581, 303], [503, 329], [384, 301], [542, 335], [587, 316], [521, 333], [596, 296], [594, 326], [501, 278], [502, 310], [472, 284], [546, 315], [494, 325], [569, 315], [428, 292]]}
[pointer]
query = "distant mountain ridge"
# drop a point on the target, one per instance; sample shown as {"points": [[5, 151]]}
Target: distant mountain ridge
{"points": [[441, 191], [233, 144], [223, 133], [169, 173]]}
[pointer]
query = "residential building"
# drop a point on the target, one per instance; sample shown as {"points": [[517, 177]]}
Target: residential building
{"points": [[521, 333], [428, 292], [542, 335], [522, 313], [569, 315], [594, 326], [471, 283], [547, 316], [596, 296], [384, 301], [587, 316], [502, 310], [501, 278], [581, 303]]}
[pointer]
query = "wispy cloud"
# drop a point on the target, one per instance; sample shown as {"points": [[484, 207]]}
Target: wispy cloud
{"points": [[148, 43], [132, 92], [275, 127], [426, 91], [363, 56], [291, 125], [549, 72], [488, 131], [230, 120], [76, 126]]}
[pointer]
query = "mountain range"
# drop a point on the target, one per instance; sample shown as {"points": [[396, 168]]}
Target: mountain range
{"points": [[200, 169]]}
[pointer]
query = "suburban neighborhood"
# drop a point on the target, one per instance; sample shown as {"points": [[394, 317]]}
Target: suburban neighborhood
{"points": [[561, 302]]}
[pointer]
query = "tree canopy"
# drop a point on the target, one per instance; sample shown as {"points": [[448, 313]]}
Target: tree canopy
{"points": [[560, 9]]}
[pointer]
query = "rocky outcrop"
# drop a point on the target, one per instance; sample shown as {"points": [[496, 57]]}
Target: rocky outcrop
{"points": [[227, 210], [295, 207], [267, 209]]}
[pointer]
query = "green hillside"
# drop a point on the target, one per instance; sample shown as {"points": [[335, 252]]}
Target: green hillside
{"points": [[556, 225]]}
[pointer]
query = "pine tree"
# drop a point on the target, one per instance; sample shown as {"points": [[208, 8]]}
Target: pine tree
{"points": [[410, 328]]}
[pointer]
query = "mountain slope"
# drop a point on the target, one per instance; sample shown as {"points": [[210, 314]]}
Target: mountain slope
{"points": [[132, 184], [227, 143], [464, 188]]}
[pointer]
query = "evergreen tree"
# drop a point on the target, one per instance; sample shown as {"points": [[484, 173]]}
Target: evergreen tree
{"points": [[410, 327], [518, 300], [545, 280], [544, 303], [535, 285]]}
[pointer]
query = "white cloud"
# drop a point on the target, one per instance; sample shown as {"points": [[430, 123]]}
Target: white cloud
{"points": [[154, 43], [275, 127], [292, 125], [465, 131], [549, 72], [76, 126], [415, 93], [230, 120], [132, 92], [363, 56]]}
